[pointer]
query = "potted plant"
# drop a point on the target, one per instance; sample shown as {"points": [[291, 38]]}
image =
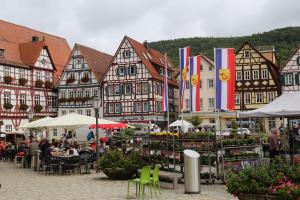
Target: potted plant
{"points": [[23, 107], [22, 81], [85, 79], [7, 106], [7, 79], [70, 80], [39, 83], [38, 108], [48, 84], [117, 165]]}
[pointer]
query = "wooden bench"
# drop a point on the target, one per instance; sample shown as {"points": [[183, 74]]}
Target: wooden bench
{"points": [[170, 175]]}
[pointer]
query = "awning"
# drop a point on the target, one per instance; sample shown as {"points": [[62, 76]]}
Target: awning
{"points": [[115, 125]]}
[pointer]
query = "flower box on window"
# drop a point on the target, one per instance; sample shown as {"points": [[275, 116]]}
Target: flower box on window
{"points": [[23, 107], [62, 100], [22, 81], [85, 79], [48, 84], [39, 83], [71, 99], [7, 106], [7, 79], [70, 80], [38, 108]]}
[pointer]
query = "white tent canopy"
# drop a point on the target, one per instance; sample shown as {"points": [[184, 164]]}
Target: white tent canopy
{"points": [[38, 123], [286, 105], [181, 123]]}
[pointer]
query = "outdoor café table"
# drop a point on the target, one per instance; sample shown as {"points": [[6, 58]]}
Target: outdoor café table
{"points": [[62, 159]]}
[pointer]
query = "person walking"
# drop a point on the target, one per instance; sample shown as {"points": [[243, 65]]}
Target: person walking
{"points": [[274, 145]]}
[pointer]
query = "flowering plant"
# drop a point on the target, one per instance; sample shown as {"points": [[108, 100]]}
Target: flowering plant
{"points": [[164, 134]]}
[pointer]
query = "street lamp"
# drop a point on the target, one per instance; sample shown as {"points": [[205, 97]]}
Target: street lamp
{"points": [[96, 103]]}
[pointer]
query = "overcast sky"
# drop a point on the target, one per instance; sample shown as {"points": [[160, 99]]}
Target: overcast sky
{"points": [[101, 24]]}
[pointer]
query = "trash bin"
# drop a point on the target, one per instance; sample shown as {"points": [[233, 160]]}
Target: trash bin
{"points": [[191, 172]]}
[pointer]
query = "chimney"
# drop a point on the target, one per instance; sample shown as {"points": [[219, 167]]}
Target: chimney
{"points": [[35, 38], [145, 43]]}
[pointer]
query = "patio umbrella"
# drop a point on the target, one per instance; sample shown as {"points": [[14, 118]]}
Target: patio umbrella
{"points": [[40, 123], [181, 123]]}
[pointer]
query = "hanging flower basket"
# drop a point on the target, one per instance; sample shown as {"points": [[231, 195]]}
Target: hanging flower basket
{"points": [[38, 108], [7, 79], [22, 81], [48, 84], [70, 80], [7, 106], [85, 79], [23, 107], [39, 83]]}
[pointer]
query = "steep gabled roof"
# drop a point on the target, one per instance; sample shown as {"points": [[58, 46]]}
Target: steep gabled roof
{"points": [[29, 52], [96, 60], [290, 57], [271, 66], [155, 58], [14, 37]]}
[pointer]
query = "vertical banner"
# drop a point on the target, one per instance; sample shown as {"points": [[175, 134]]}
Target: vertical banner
{"points": [[184, 54], [225, 78], [195, 63], [165, 95]]}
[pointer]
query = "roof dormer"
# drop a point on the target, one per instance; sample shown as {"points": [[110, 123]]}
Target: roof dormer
{"points": [[2, 53]]}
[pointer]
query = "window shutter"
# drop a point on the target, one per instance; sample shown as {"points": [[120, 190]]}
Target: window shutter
{"points": [[282, 79], [149, 88], [298, 60], [134, 106], [121, 89], [135, 70], [296, 79]]}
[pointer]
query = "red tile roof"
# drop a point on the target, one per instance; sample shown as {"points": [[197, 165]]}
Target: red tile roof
{"points": [[96, 60], [17, 42], [155, 58]]}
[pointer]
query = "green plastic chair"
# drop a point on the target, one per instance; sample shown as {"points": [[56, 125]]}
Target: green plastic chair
{"points": [[141, 182], [155, 179]]}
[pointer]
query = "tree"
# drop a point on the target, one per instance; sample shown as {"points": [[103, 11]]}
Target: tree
{"points": [[195, 120]]}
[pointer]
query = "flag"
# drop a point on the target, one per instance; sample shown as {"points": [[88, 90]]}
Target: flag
{"points": [[225, 78], [195, 63], [184, 54], [165, 95]]}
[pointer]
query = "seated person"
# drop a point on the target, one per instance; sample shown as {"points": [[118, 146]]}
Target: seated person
{"points": [[72, 151], [49, 152]]}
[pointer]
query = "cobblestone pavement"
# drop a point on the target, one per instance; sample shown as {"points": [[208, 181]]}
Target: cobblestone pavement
{"points": [[25, 184]]}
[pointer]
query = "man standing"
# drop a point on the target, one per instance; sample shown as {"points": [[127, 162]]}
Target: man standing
{"points": [[274, 145]]}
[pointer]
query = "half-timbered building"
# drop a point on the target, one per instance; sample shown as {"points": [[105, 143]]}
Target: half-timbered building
{"points": [[79, 85], [290, 72], [133, 85], [30, 64]]}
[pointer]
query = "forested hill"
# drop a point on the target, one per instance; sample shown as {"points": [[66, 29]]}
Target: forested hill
{"points": [[285, 41]]}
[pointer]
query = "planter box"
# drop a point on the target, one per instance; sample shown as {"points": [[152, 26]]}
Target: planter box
{"points": [[119, 173], [258, 197]]}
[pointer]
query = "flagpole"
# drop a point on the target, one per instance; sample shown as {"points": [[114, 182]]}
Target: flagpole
{"points": [[215, 111]]}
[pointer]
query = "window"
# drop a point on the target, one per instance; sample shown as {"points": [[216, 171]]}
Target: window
{"points": [[88, 112], [118, 107], [211, 103], [187, 104], [1, 53], [21, 73], [126, 54], [247, 75], [187, 86], [210, 83], [128, 88], [255, 74], [259, 97], [264, 74], [158, 106], [63, 94], [210, 68], [237, 99], [238, 75], [110, 108], [110, 90], [145, 88], [247, 54], [22, 98], [6, 97], [79, 112], [47, 76], [121, 71], [55, 132], [8, 128], [247, 97], [79, 93], [288, 79], [36, 100], [138, 106], [270, 96], [138, 88], [87, 93], [63, 112], [6, 71], [71, 76], [117, 89], [50, 101], [162, 71], [272, 123], [132, 70], [146, 106], [71, 94], [38, 75], [169, 75], [201, 67], [96, 93], [79, 61], [159, 89], [201, 104]]}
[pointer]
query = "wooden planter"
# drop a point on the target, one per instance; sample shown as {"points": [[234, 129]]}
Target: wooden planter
{"points": [[244, 196], [22, 81], [119, 173], [8, 79]]}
